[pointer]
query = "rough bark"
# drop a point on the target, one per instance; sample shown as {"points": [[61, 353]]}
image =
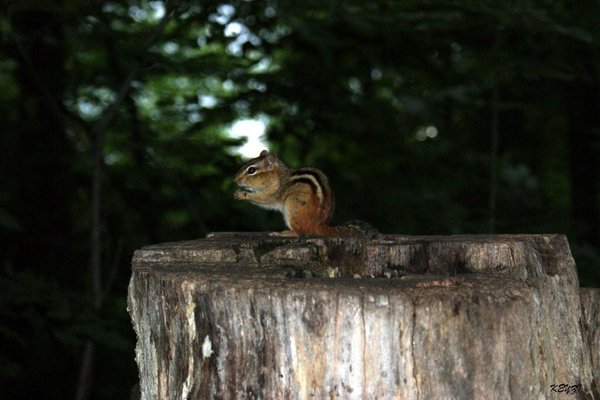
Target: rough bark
{"points": [[590, 302], [247, 316]]}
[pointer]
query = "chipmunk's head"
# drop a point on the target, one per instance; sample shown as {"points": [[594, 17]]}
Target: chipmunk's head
{"points": [[261, 174]]}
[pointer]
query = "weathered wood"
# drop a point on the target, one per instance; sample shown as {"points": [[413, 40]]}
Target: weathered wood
{"points": [[590, 302], [248, 316]]}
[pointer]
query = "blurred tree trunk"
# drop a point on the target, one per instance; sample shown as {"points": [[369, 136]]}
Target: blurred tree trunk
{"points": [[584, 154], [494, 128], [98, 136], [42, 167], [40, 182]]}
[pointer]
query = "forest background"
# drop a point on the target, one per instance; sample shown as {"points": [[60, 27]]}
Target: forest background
{"points": [[122, 121]]}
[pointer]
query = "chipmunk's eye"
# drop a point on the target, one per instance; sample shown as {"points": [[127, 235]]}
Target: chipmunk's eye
{"points": [[251, 170]]}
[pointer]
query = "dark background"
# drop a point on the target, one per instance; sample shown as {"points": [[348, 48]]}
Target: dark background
{"points": [[429, 117]]}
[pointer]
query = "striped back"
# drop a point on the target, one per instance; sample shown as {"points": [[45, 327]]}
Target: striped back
{"points": [[318, 183]]}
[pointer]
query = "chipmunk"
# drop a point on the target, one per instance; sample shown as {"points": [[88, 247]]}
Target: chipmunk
{"points": [[302, 195]]}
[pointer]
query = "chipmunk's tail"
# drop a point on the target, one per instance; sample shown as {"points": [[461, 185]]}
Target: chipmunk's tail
{"points": [[357, 228]]}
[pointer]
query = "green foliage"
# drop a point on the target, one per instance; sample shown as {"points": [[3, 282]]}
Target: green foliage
{"points": [[394, 100]]}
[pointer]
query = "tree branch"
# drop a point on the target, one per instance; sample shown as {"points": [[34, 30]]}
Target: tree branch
{"points": [[57, 108], [109, 114]]}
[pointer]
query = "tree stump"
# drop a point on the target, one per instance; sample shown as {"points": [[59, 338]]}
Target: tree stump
{"points": [[250, 316]]}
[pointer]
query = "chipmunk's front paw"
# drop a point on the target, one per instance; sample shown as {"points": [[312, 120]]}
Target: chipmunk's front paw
{"points": [[240, 195]]}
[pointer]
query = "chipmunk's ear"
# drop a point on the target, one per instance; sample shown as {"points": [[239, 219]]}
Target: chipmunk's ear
{"points": [[269, 159]]}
